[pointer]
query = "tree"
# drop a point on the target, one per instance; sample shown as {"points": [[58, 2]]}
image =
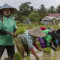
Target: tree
{"points": [[42, 9], [34, 17], [55, 21], [25, 9], [52, 9], [58, 9]]}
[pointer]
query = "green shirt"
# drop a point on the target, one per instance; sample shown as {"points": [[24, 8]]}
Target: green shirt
{"points": [[47, 37], [8, 24]]}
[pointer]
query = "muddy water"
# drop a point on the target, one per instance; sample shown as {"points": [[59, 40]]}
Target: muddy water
{"points": [[52, 57], [5, 53], [31, 55]]}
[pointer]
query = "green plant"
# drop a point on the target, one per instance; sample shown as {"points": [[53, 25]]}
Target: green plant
{"points": [[28, 57], [30, 26], [38, 44], [55, 56], [20, 31], [58, 47], [17, 56], [48, 50]]}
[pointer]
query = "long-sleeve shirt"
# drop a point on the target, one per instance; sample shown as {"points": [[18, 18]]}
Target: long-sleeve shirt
{"points": [[48, 37], [27, 39]]}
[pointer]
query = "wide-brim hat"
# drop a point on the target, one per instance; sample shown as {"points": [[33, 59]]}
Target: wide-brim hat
{"points": [[13, 10], [37, 32], [56, 34]]}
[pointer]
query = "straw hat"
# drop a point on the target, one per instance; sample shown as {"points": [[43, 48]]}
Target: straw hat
{"points": [[37, 32], [13, 10]]}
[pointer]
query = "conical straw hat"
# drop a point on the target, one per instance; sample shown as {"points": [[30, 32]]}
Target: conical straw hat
{"points": [[13, 10], [37, 32]]}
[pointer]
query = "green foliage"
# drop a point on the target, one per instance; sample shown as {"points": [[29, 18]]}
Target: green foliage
{"points": [[38, 44], [17, 56], [25, 9], [23, 18], [46, 14], [25, 26], [56, 20], [51, 9], [48, 50], [41, 15], [42, 9], [58, 47], [28, 57], [17, 22], [33, 17], [20, 31], [58, 9], [30, 26]]}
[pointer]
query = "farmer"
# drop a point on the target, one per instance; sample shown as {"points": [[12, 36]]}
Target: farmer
{"points": [[28, 40], [7, 29], [50, 37]]}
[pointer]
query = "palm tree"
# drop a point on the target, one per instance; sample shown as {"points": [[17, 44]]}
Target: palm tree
{"points": [[58, 9], [52, 9], [42, 9]]}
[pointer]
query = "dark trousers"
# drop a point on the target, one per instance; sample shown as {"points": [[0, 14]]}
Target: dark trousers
{"points": [[10, 50]]}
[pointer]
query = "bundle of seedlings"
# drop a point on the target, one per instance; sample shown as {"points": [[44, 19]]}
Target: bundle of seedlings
{"points": [[38, 44], [16, 40], [46, 53], [17, 56], [47, 50], [20, 31]]}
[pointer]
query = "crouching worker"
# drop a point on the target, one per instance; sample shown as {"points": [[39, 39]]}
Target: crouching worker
{"points": [[28, 40], [50, 39]]}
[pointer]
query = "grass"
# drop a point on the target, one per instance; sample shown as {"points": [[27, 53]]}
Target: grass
{"points": [[18, 56], [30, 26]]}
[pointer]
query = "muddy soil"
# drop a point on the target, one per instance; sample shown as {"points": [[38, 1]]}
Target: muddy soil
{"points": [[31, 56], [39, 53]]}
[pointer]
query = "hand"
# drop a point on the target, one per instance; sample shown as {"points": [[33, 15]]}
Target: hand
{"points": [[40, 49], [13, 34], [37, 57]]}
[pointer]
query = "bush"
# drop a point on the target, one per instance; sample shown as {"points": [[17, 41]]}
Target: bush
{"points": [[18, 56]]}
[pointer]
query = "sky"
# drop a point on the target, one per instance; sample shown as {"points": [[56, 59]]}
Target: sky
{"points": [[35, 3]]}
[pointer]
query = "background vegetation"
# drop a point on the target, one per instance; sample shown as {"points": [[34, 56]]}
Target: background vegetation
{"points": [[26, 11], [30, 26]]}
